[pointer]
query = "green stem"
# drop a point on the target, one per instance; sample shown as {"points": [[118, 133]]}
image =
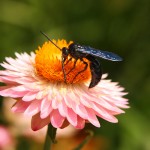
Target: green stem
{"points": [[50, 137], [85, 141], [47, 144]]}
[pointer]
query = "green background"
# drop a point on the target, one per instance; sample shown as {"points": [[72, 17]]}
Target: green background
{"points": [[120, 26]]}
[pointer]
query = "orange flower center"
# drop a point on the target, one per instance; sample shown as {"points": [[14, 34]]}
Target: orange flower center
{"points": [[48, 64]]}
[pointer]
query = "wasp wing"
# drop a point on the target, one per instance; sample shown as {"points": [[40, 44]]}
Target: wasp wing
{"points": [[98, 53]]}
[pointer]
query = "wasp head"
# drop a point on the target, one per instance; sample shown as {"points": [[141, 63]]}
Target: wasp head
{"points": [[65, 52]]}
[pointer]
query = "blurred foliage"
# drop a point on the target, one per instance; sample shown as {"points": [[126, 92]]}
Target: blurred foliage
{"points": [[121, 26]]}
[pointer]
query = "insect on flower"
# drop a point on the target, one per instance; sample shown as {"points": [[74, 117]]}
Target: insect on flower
{"points": [[78, 52], [37, 82]]}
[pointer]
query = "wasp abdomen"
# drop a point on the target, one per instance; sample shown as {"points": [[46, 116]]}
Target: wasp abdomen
{"points": [[96, 71]]}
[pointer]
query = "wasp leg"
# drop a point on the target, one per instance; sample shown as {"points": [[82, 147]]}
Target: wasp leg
{"points": [[86, 64], [68, 61], [63, 69], [73, 66]]}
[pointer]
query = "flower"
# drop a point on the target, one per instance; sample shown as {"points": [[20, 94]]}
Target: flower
{"points": [[36, 81], [6, 140]]}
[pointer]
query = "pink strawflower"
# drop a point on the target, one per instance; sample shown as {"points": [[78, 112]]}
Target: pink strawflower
{"points": [[6, 141], [36, 81]]}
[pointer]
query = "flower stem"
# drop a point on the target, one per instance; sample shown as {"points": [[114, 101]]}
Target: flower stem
{"points": [[50, 137], [85, 141]]}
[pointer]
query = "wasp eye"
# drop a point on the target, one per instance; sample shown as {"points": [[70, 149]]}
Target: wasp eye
{"points": [[65, 51]]}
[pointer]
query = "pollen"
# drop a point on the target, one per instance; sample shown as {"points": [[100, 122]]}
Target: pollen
{"points": [[48, 64]]}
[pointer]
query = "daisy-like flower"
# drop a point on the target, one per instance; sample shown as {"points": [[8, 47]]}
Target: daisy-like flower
{"points": [[36, 81], [6, 139]]}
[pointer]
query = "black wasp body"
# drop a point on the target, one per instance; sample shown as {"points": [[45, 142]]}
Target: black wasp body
{"points": [[79, 52]]}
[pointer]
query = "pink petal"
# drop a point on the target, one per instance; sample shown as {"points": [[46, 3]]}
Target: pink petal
{"points": [[4, 88], [7, 79], [5, 92], [81, 111], [20, 106], [107, 105], [67, 101], [55, 102], [123, 105], [45, 108], [71, 100], [45, 104], [92, 117], [40, 94], [72, 117], [8, 66], [34, 86], [56, 119], [62, 109], [115, 113], [17, 63], [80, 123], [101, 112], [8, 92], [29, 96], [25, 80], [19, 88], [86, 101], [38, 123], [33, 108]]}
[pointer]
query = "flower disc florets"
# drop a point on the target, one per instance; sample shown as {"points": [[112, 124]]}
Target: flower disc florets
{"points": [[48, 64]]}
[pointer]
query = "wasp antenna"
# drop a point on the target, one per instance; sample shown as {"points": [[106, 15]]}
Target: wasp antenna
{"points": [[50, 40]]}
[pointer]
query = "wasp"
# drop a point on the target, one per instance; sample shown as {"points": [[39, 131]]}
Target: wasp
{"points": [[78, 52]]}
